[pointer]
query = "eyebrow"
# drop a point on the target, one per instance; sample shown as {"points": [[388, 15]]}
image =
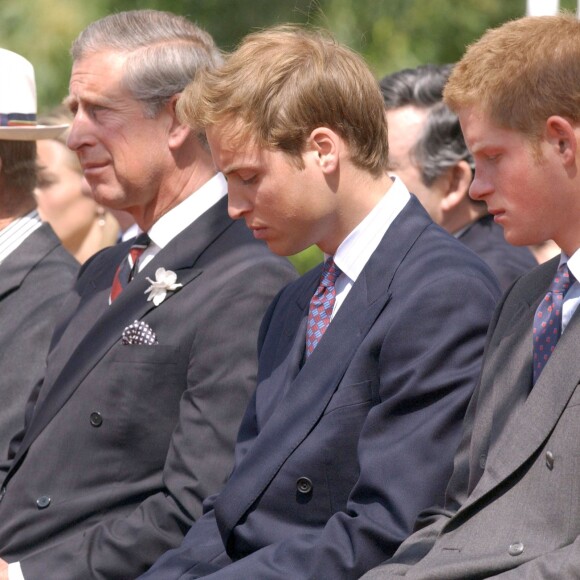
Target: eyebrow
{"points": [[69, 101], [239, 167]]}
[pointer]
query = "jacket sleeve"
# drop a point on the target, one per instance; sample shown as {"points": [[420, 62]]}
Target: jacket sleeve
{"points": [[464, 478]]}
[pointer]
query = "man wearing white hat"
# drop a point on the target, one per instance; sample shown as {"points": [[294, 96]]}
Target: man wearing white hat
{"points": [[35, 270]]}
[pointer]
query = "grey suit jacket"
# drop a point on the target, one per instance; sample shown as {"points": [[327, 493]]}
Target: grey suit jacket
{"points": [[125, 441], [34, 280], [513, 503]]}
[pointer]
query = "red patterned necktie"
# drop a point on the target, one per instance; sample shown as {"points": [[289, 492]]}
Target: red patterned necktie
{"points": [[321, 306], [548, 319], [126, 270]]}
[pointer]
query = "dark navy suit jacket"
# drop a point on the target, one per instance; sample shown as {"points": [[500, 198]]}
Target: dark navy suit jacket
{"points": [[335, 457]]}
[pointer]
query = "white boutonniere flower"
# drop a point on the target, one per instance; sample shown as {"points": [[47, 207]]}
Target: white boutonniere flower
{"points": [[165, 281]]}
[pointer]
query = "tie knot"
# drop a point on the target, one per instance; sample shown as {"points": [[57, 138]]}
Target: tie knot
{"points": [[141, 241], [330, 273], [562, 280], [138, 247]]}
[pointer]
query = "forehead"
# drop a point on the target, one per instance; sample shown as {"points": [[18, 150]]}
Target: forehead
{"points": [[481, 132], [230, 153], [405, 125], [96, 75]]}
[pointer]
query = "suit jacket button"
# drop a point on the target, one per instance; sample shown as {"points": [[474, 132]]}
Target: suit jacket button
{"points": [[42, 502], [516, 549], [549, 460], [96, 419], [304, 485]]}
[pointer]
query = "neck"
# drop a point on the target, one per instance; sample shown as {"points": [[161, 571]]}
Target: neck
{"points": [[177, 187], [356, 199], [462, 215], [102, 232]]}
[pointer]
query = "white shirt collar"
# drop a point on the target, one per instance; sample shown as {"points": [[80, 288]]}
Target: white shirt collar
{"points": [[354, 252], [184, 214]]}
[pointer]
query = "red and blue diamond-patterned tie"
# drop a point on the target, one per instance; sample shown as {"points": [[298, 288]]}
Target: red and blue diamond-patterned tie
{"points": [[321, 306], [126, 270], [548, 319]]}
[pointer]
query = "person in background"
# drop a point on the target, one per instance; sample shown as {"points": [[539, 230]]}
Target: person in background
{"points": [[428, 152], [154, 355], [63, 196], [35, 270], [512, 508], [366, 363]]}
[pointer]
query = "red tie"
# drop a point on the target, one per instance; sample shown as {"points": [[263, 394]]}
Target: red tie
{"points": [[126, 270], [321, 306]]}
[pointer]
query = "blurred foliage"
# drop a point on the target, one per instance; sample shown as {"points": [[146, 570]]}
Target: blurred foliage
{"points": [[307, 259], [42, 31], [390, 34]]}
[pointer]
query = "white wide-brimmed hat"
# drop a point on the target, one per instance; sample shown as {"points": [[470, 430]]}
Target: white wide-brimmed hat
{"points": [[18, 101]]}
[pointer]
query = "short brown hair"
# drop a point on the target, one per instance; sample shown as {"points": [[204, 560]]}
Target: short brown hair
{"points": [[521, 73], [19, 168], [284, 82]]}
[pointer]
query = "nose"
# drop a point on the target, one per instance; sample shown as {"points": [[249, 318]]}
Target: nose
{"points": [[78, 133], [238, 205], [480, 187]]}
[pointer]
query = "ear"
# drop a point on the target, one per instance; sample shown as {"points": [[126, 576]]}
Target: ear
{"points": [[326, 145], [561, 136], [456, 181], [178, 132]]}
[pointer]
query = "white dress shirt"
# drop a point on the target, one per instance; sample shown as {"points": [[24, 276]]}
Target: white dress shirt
{"points": [[356, 249], [572, 298], [16, 232]]}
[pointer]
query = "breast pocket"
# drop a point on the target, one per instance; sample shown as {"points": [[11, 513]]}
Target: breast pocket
{"points": [[350, 396], [144, 354]]}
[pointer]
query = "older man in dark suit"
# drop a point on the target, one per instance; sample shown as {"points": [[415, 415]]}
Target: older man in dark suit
{"points": [[154, 358], [513, 504], [428, 152], [366, 364], [35, 270]]}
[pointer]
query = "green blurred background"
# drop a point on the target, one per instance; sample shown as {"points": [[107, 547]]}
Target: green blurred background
{"points": [[390, 34]]}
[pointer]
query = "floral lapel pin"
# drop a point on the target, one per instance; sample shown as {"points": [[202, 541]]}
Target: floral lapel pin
{"points": [[165, 281]]}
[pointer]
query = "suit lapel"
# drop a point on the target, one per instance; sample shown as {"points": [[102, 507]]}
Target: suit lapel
{"points": [[521, 433], [25, 257], [309, 393], [108, 323]]}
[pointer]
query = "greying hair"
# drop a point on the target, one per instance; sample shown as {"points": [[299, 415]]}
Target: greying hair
{"points": [[165, 51], [441, 144]]}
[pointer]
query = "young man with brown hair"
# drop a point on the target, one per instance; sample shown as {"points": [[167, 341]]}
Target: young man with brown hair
{"points": [[365, 371]]}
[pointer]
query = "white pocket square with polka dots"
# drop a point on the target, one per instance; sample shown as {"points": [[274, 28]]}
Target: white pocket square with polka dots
{"points": [[138, 333]]}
